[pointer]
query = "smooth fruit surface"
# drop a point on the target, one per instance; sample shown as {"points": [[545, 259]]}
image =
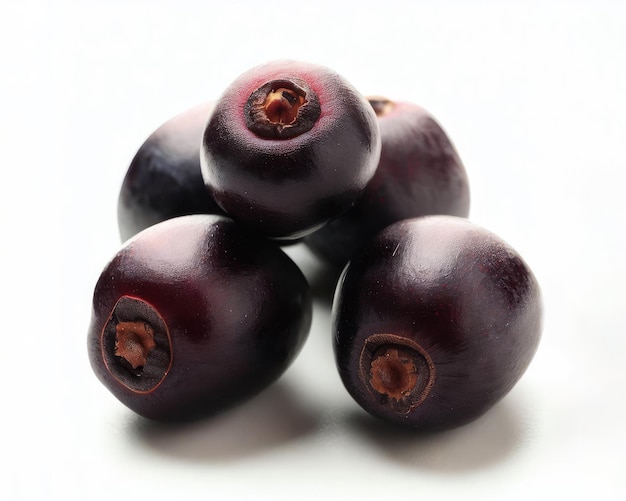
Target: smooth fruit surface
{"points": [[419, 173], [194, 315], [434, 322], [164, 179], [289, 146]]}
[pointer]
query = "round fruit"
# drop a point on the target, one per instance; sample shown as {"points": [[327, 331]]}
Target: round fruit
{"points": [[164, 179], [419, 173], [194, 315], [435, 320], [289, 146]]}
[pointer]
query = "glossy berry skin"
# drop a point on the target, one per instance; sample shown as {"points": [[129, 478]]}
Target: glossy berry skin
{"points": [[419, 173], [289, 146], [194, 315], [435, 320], [164, 179]]}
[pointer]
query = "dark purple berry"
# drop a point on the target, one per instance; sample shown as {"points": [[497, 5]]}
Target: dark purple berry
{"points": [[435, 320], [164, 179], [419, 173], [289, 146], [194, 315]]}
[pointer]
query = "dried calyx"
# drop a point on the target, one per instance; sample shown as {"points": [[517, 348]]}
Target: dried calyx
{"points": [[282, 109], [133, 342], [393, 373], [396, 371], [381, 105], [136, 345]]}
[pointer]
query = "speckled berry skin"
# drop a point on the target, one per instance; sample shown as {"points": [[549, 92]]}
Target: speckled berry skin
{"points": [[164, 179], [225, 313], [284, 162], [434, 321], [420, 173]]}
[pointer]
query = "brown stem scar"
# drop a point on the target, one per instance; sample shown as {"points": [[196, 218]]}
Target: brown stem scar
{"points": [[393, 373], [282, 105], [397, 371], [381, 105], [133, 342], [136, 345], [282, 109]]}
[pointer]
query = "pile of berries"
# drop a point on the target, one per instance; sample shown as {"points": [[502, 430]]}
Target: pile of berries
{"points": [[434, 318]]}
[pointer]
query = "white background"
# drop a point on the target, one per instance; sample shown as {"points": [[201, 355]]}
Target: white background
{"points": [[532, 94]]}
